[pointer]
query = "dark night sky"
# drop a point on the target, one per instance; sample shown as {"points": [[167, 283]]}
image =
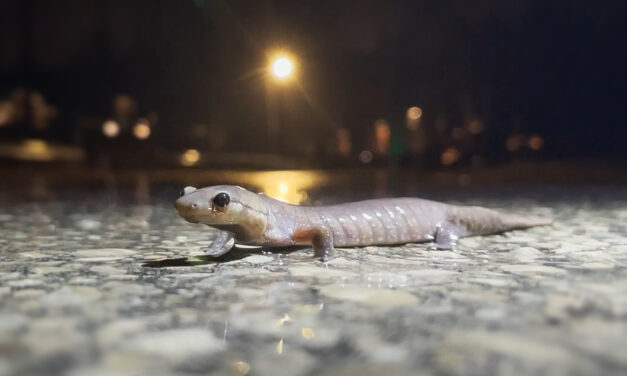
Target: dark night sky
{"points": [[552, 67]]}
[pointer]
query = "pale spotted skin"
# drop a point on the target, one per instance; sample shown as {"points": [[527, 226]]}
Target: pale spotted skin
{"points": [[256, 219]]}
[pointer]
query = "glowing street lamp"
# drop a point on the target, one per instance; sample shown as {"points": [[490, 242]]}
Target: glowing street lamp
{"points": [[282, 67], [282, 71]]}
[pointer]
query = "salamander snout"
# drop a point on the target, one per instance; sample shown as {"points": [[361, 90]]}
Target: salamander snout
{"points": [[187, 201]]}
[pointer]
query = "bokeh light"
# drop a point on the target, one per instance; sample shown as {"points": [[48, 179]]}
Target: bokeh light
{"points": [[344, 145], [190, 157], [382, 136], [141, 130], [414, 113], [535, 142], [514, 142], [475, 127], [7, 112], [449, 156], [365, 156], [413, 118], [110, 128]]}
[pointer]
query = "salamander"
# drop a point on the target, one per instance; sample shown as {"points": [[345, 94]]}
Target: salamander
{"points": [[256, 219]]}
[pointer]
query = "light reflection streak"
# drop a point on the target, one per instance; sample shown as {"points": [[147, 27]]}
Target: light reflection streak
{"points": [[40, 150], [287, 186]]}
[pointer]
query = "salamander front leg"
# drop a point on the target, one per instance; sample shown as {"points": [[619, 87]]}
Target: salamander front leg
{"points": [[220, 245], [321, 240]]}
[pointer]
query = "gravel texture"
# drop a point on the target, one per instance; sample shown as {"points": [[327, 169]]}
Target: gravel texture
{"points": [[100, 287]]}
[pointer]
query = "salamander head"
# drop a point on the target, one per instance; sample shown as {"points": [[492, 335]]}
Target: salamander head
{"points": [[219, 205]]}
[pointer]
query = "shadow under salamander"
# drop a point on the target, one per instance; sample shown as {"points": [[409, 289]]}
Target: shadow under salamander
{"points": [[234, 254]]}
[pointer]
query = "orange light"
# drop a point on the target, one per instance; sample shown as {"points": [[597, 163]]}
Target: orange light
{"points": [[382, 136], [475, 127], [514, 143], [7, 112], [286, 186], [535, 142], [449, 156], [124, 105], [344, 145]]}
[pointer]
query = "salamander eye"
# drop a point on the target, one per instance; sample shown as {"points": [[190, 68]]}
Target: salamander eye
{"points": [[221, 200]]}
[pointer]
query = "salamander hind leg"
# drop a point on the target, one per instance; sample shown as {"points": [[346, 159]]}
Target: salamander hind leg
{"points": [[321, 240], [446, 235]]}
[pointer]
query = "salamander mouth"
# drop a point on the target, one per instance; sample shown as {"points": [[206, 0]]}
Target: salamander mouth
{"points": [[194, 216], [190, 213]]}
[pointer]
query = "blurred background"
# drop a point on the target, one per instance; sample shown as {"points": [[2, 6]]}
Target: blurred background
{"points": [[483, 90]]}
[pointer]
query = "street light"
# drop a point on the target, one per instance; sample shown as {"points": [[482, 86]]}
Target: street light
{"points": [[281, 73], [282, 67]]}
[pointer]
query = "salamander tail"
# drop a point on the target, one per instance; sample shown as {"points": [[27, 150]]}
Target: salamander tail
{"points": [[479, 221], [513, 221]]}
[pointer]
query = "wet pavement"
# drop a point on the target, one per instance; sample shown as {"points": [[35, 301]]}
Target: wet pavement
{"points": [[96, 283]]}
